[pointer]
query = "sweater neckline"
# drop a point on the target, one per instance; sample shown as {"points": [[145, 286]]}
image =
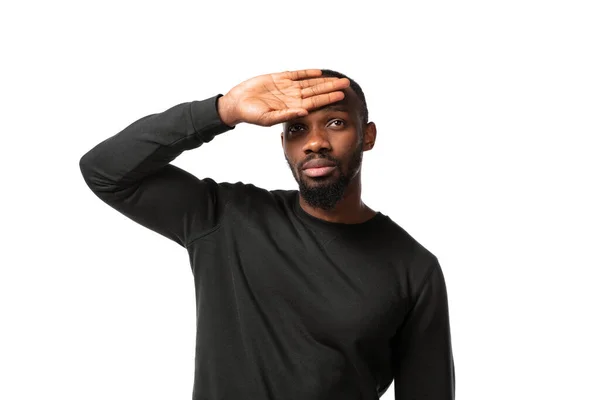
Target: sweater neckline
{"points": [[334, 226]]}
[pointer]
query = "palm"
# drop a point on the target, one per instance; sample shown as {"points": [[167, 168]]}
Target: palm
{"points": [[269, 99], [274, 96]]}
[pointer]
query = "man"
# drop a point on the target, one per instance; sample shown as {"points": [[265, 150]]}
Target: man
{"points": [[306, 294]]}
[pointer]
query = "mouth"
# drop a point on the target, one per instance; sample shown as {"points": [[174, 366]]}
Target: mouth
{"points": [[319, 171]]}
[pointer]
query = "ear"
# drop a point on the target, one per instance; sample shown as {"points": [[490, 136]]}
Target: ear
{"points": [[370, 134]]}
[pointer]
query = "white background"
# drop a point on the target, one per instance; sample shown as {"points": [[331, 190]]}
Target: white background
{"points": [[488, 116]]}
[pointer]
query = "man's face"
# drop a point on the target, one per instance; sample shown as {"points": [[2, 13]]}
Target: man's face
{"points": [[335, 134]]}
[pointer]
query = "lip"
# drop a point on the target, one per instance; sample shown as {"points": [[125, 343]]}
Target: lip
{"points": [[318, 163], [319, 171]]}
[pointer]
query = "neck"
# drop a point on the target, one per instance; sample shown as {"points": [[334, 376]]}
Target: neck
{"points": [[349, 210]]}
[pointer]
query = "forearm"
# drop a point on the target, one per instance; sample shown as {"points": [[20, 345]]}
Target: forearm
{"points": [[422, 350], [149, 144]]}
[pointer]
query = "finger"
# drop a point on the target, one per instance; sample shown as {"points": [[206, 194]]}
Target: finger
{"points": [[299, 74], [279, 116], [315, 81], [322, 100], [325, 87]]}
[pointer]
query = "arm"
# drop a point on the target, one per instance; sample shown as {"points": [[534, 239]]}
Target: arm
{"points": [[130, 171], [421, 350]]}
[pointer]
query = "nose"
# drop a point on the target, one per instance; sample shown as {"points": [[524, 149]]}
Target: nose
{"points": [[316, 141]]}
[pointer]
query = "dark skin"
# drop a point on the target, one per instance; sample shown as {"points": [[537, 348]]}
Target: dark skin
{"points": [[300, 98], [334, 132]]}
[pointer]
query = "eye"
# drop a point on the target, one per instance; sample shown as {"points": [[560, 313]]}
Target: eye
{"points": [[337, 123], [295, 128]]}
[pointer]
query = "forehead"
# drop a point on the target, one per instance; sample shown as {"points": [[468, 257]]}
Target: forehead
{"points": [[349, 103]]}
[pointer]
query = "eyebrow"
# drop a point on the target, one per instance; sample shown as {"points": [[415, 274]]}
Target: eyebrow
{"points": [[329, 107], [333, 107]]}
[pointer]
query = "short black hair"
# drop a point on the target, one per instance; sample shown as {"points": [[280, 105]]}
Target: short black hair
{"points": [[364, 111]]}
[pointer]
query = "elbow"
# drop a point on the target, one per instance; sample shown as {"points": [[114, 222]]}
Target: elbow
{"points": [[85, 169], [92, 176]]}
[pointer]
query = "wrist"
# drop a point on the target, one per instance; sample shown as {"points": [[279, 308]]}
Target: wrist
{"points": [[225, 109]]}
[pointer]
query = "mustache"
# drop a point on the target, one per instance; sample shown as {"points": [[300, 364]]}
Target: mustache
{"points": [[333, 160]]}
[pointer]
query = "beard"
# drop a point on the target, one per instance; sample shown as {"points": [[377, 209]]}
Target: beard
{"points": [[325, 192]]}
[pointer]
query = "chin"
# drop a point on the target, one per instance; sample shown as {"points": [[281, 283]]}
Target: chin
{"points": [[319, 181]]}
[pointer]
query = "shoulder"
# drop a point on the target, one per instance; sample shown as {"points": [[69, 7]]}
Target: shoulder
{"points": [[404, 242], [247, 196], [410, 255]]}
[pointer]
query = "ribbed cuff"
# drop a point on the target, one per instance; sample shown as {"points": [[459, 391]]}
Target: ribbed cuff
{"points": [[206, 119]]}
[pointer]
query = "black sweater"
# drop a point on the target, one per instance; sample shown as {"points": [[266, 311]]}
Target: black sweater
{"points": [[288, 306]]}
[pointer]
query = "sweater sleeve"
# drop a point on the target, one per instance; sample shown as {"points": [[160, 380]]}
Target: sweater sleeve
{"points": [[130, 171], [421, 350]]}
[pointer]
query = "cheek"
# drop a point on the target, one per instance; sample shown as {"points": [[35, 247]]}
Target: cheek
{"points": [[288, 153], [345, 146]]}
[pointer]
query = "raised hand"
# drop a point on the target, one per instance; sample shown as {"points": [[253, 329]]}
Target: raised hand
{"points": [[273, 98]]}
